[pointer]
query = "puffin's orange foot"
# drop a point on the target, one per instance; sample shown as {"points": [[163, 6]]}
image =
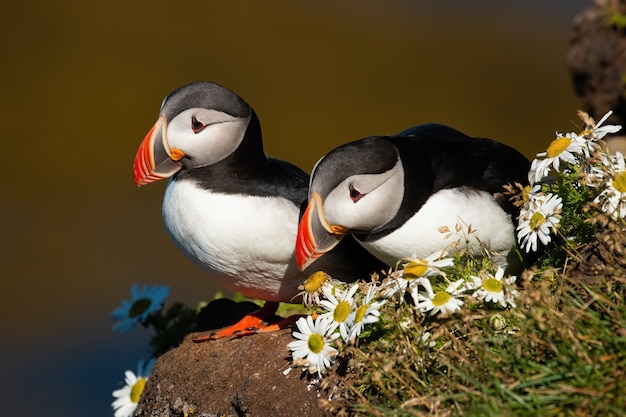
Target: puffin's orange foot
{"points": [[251, 324]]}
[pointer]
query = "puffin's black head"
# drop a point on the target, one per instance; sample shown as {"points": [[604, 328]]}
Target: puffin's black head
{"points": [[204, 95], [199, 124], [349, 160], [357, 187]]}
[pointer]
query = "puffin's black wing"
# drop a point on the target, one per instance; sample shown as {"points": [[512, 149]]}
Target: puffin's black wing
{"points": [[437, 157], [452, 159], [280, 178]]}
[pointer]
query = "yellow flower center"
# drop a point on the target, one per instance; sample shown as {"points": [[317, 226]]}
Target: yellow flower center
{"points": [[537, 220], [526, 193], [441, 298], [341, 312], [315, 281], [414, 269], [492, 285], [139, 307], [360, 313], [316, 343], [557, 146], [619, 182], [137, 389]]}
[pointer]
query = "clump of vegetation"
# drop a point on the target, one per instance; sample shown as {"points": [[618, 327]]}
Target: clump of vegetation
{"points": [[560, 352], [555, 347]]}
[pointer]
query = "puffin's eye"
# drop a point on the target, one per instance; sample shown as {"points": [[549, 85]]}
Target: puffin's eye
{"points": [[196, 125], [355, 195]]}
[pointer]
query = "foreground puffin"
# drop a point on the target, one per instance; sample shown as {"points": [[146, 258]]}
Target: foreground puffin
{"points": [[229, 208], [395, 193]]}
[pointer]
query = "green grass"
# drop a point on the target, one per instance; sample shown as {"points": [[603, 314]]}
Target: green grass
{"points": [[562, 351]]}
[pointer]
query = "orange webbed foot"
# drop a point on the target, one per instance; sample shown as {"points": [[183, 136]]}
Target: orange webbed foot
{"points": [[252, 323]]}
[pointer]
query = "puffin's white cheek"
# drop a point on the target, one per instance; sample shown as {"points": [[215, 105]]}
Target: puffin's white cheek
{"points": [[218, 142], [371, 212], [182, 140], [338, 208], [361, 215], [211, 145]]}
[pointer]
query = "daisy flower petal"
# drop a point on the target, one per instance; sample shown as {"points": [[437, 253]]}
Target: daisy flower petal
{"points": [[339, 307], [368, 312], [414, 270], [313, 344], [494, 288], [444, 302], [128, 396], [613, 197], [537, 220]]}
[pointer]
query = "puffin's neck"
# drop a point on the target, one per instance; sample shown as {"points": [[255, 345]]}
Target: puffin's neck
{"points": [[249, 154]]}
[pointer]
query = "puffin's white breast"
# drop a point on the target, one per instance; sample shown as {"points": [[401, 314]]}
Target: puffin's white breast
{"points": [[247, 243], [420, 236]]}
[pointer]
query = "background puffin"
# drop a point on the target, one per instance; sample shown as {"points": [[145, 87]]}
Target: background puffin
{"points": [[229, 208], [394, 193]]}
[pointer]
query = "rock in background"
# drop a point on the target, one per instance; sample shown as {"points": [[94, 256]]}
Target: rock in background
{"points": [[597, 62]]}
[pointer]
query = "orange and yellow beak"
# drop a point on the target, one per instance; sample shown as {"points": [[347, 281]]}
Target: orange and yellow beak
{"points": [[315, 235], [155, 159]]}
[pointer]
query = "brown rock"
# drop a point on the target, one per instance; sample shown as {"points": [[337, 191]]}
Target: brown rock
{"points": [[601, 260], [230, 377], [597, 62]]}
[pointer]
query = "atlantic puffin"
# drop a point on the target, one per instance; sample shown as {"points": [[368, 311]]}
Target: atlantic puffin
{"points": [[402, 196], [229, 207]]}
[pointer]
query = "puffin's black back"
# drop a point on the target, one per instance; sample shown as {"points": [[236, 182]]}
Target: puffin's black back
{"points": [[456, 159], [437, 157]]}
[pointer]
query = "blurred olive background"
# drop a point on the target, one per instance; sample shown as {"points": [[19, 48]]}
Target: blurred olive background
{"points": [[82, 83]]}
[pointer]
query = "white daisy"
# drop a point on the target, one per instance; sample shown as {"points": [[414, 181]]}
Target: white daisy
{"points": [[313, 344], [537, 172], [414, 271], [446, 302], [127, 397], [495, 289], [145, 300], [530, 193], [538, 220], [613, 197], [563, 148], [312, 287], [339, 305], [368, 312], [598, 131]]}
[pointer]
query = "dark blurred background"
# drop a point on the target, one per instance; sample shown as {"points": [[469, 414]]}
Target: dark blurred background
{"points": [[82, 83]]}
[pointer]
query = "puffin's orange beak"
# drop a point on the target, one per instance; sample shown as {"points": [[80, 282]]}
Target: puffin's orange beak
{"points": [[155, 159], [315, 236]]}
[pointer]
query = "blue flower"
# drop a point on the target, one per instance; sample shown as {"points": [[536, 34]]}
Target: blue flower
{"points": [[146, 300]]}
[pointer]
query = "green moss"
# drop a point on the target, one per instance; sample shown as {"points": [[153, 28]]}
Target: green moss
{"points": [[617, 19]]}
